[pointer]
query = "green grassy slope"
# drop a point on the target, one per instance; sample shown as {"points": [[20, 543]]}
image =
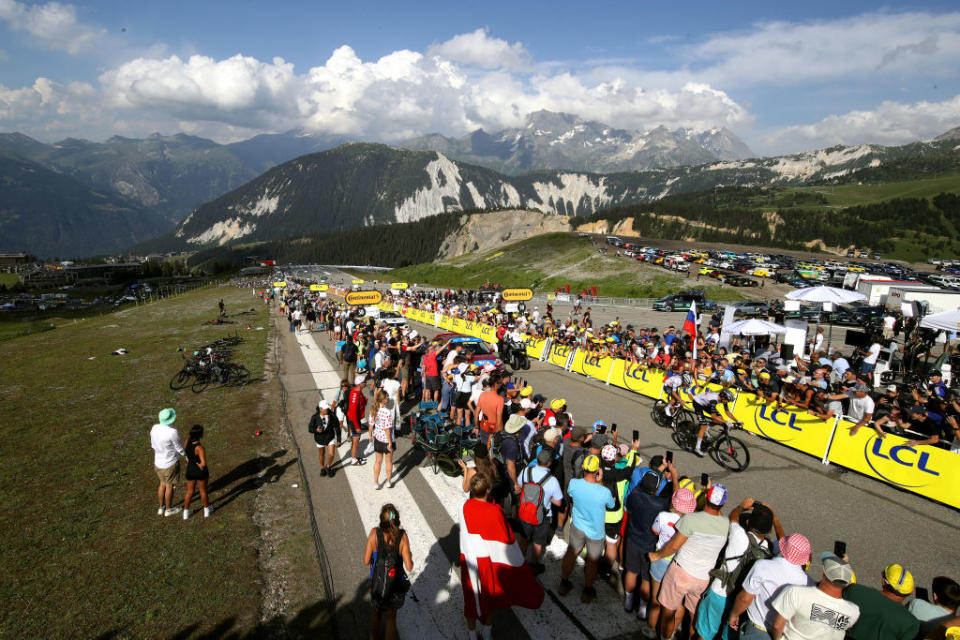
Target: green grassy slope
{"points": [[552, 260]]}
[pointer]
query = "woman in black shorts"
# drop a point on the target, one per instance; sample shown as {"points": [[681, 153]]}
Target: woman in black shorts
{"points": [[197, 471]]}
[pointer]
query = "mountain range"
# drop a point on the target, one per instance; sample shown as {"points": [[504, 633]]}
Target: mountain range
{"points": [[295, 182], [550, 141]]}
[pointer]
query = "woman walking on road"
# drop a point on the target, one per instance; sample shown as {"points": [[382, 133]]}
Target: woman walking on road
{"points": [[387, 546], [197, 471], [381, 434]]}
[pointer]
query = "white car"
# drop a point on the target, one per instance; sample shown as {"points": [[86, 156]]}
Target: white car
{"points": [[392, 318]]}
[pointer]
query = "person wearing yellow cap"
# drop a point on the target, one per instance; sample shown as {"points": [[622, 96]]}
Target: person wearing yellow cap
{"points": [[882, 614], [591, 499]]}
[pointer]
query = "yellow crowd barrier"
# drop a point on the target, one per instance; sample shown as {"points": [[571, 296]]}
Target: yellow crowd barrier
{"points": [[927, 471]]}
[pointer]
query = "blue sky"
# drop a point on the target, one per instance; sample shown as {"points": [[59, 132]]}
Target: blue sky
{"points": [[783, 77]]}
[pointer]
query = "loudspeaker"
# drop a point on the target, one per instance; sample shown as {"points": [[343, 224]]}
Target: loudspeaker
{"points": [[786, 351]]}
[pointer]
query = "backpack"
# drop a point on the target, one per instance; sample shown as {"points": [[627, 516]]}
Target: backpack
{"points": [[387, 577], [532, 511], [349, 351], [732, 579], [496, 447]]}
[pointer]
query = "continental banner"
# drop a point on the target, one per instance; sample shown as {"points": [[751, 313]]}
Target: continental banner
{"points": [[633, 377], [559, 354], [360, 298], [928, 471], [795, 429]]}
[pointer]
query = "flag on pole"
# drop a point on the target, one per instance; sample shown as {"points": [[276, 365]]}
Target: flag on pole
{"points": [[493, 572], [690, 326]]}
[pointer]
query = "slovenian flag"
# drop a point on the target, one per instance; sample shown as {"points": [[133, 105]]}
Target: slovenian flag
{"points": [[690, 326], [493, 572]]}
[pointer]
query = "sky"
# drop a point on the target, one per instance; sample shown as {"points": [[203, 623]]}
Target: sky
{"points": [[785, 77]]}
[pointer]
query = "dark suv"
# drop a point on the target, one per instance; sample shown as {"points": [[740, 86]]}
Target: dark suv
{"points": [[682, 301]]}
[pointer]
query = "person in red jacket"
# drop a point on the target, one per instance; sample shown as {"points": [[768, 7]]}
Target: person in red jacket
{"points": [[356, 409]]}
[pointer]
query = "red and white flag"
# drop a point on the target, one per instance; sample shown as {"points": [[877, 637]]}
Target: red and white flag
{"points": [[690, 326], [493, 572]]}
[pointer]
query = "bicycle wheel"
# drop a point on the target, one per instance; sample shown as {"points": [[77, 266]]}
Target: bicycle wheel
{"points": [[238, 375], [685, 434], [731, 453], [180, 380], [201, 382], [658, 414]]}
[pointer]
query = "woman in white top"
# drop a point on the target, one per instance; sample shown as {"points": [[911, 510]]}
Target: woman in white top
{"points": [[381, 435]]}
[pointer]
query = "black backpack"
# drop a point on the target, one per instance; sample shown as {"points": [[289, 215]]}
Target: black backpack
{"points": [[388, 578], [496, 447], [349, 351]]}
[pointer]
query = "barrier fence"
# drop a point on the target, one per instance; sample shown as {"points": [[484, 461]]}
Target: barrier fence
{"points": [[927, 471]]}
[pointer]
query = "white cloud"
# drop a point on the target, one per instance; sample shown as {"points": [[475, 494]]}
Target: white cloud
{"points": [[53, 24], [478, 49], [873, 44], [890, 123]]}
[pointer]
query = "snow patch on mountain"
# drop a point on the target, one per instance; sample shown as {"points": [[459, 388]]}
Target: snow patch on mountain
{"points": [[430, 200]]}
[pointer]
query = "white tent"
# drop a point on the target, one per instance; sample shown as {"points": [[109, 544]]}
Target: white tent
{"points": [[753, 327], [825, 294], [943, 321]]}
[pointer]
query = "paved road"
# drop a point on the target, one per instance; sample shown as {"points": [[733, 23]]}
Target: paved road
{"points": [[880, 524]]}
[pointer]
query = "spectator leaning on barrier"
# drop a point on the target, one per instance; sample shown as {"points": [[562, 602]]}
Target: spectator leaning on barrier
{"points": [[946, 601], [882, 614]]}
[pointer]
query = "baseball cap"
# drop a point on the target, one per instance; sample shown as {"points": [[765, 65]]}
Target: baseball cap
{"points": [[836, 570], [899, 579], [515, 423], [684, 501], [891, 388], [323, 404], [764, 375], [591, 463], [717, 495], [599, 440], [761, 518], [918, 409], [558, 403], [650, 482], [526, 391], [598, 423], [608, 453], [510, 386], [861, 387], [795, 548]]}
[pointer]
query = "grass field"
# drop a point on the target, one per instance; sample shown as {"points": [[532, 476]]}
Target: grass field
{"points": [[550, 261], [9, 279], [85, 554]]}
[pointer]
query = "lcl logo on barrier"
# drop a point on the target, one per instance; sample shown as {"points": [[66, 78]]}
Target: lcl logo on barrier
{"points": [[561, 351], [637, 373], [592, 361], [770, 420], [897, 460]]}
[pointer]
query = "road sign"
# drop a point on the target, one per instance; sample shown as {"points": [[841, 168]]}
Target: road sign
{"points": [[357, 281], [364, 297], [318, 287], [398, 285], [517, 295]]}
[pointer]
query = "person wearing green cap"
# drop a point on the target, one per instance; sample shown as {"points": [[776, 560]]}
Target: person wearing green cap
{"points": [[167, 450]]}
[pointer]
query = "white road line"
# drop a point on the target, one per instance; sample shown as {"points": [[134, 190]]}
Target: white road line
{"points": [[435, 582]]}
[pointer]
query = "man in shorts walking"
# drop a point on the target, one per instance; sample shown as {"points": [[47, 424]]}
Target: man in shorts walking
{"points": [[168, 449], [695, 546], [590, 503]]}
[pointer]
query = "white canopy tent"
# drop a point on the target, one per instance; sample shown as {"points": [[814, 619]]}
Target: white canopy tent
{"points": [[754, 327], [826, 294], [943, 321]]}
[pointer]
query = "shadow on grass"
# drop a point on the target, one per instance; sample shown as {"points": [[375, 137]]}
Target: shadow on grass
{"points": [[251, 475]]}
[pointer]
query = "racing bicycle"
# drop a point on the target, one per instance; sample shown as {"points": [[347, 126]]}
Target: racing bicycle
{"points": [[726, 450]]}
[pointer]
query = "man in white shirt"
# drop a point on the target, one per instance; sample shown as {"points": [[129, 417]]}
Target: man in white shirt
{"points": [[888, 323], [870, 358], [815, 613], [167, 450], [765, 580]]}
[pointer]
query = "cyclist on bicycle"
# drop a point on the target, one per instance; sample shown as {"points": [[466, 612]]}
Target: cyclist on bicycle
{"points": [[672, 384], [705, 405]]}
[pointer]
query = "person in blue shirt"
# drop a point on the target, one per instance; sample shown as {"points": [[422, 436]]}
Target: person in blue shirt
{"points": [[590, 503]]}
